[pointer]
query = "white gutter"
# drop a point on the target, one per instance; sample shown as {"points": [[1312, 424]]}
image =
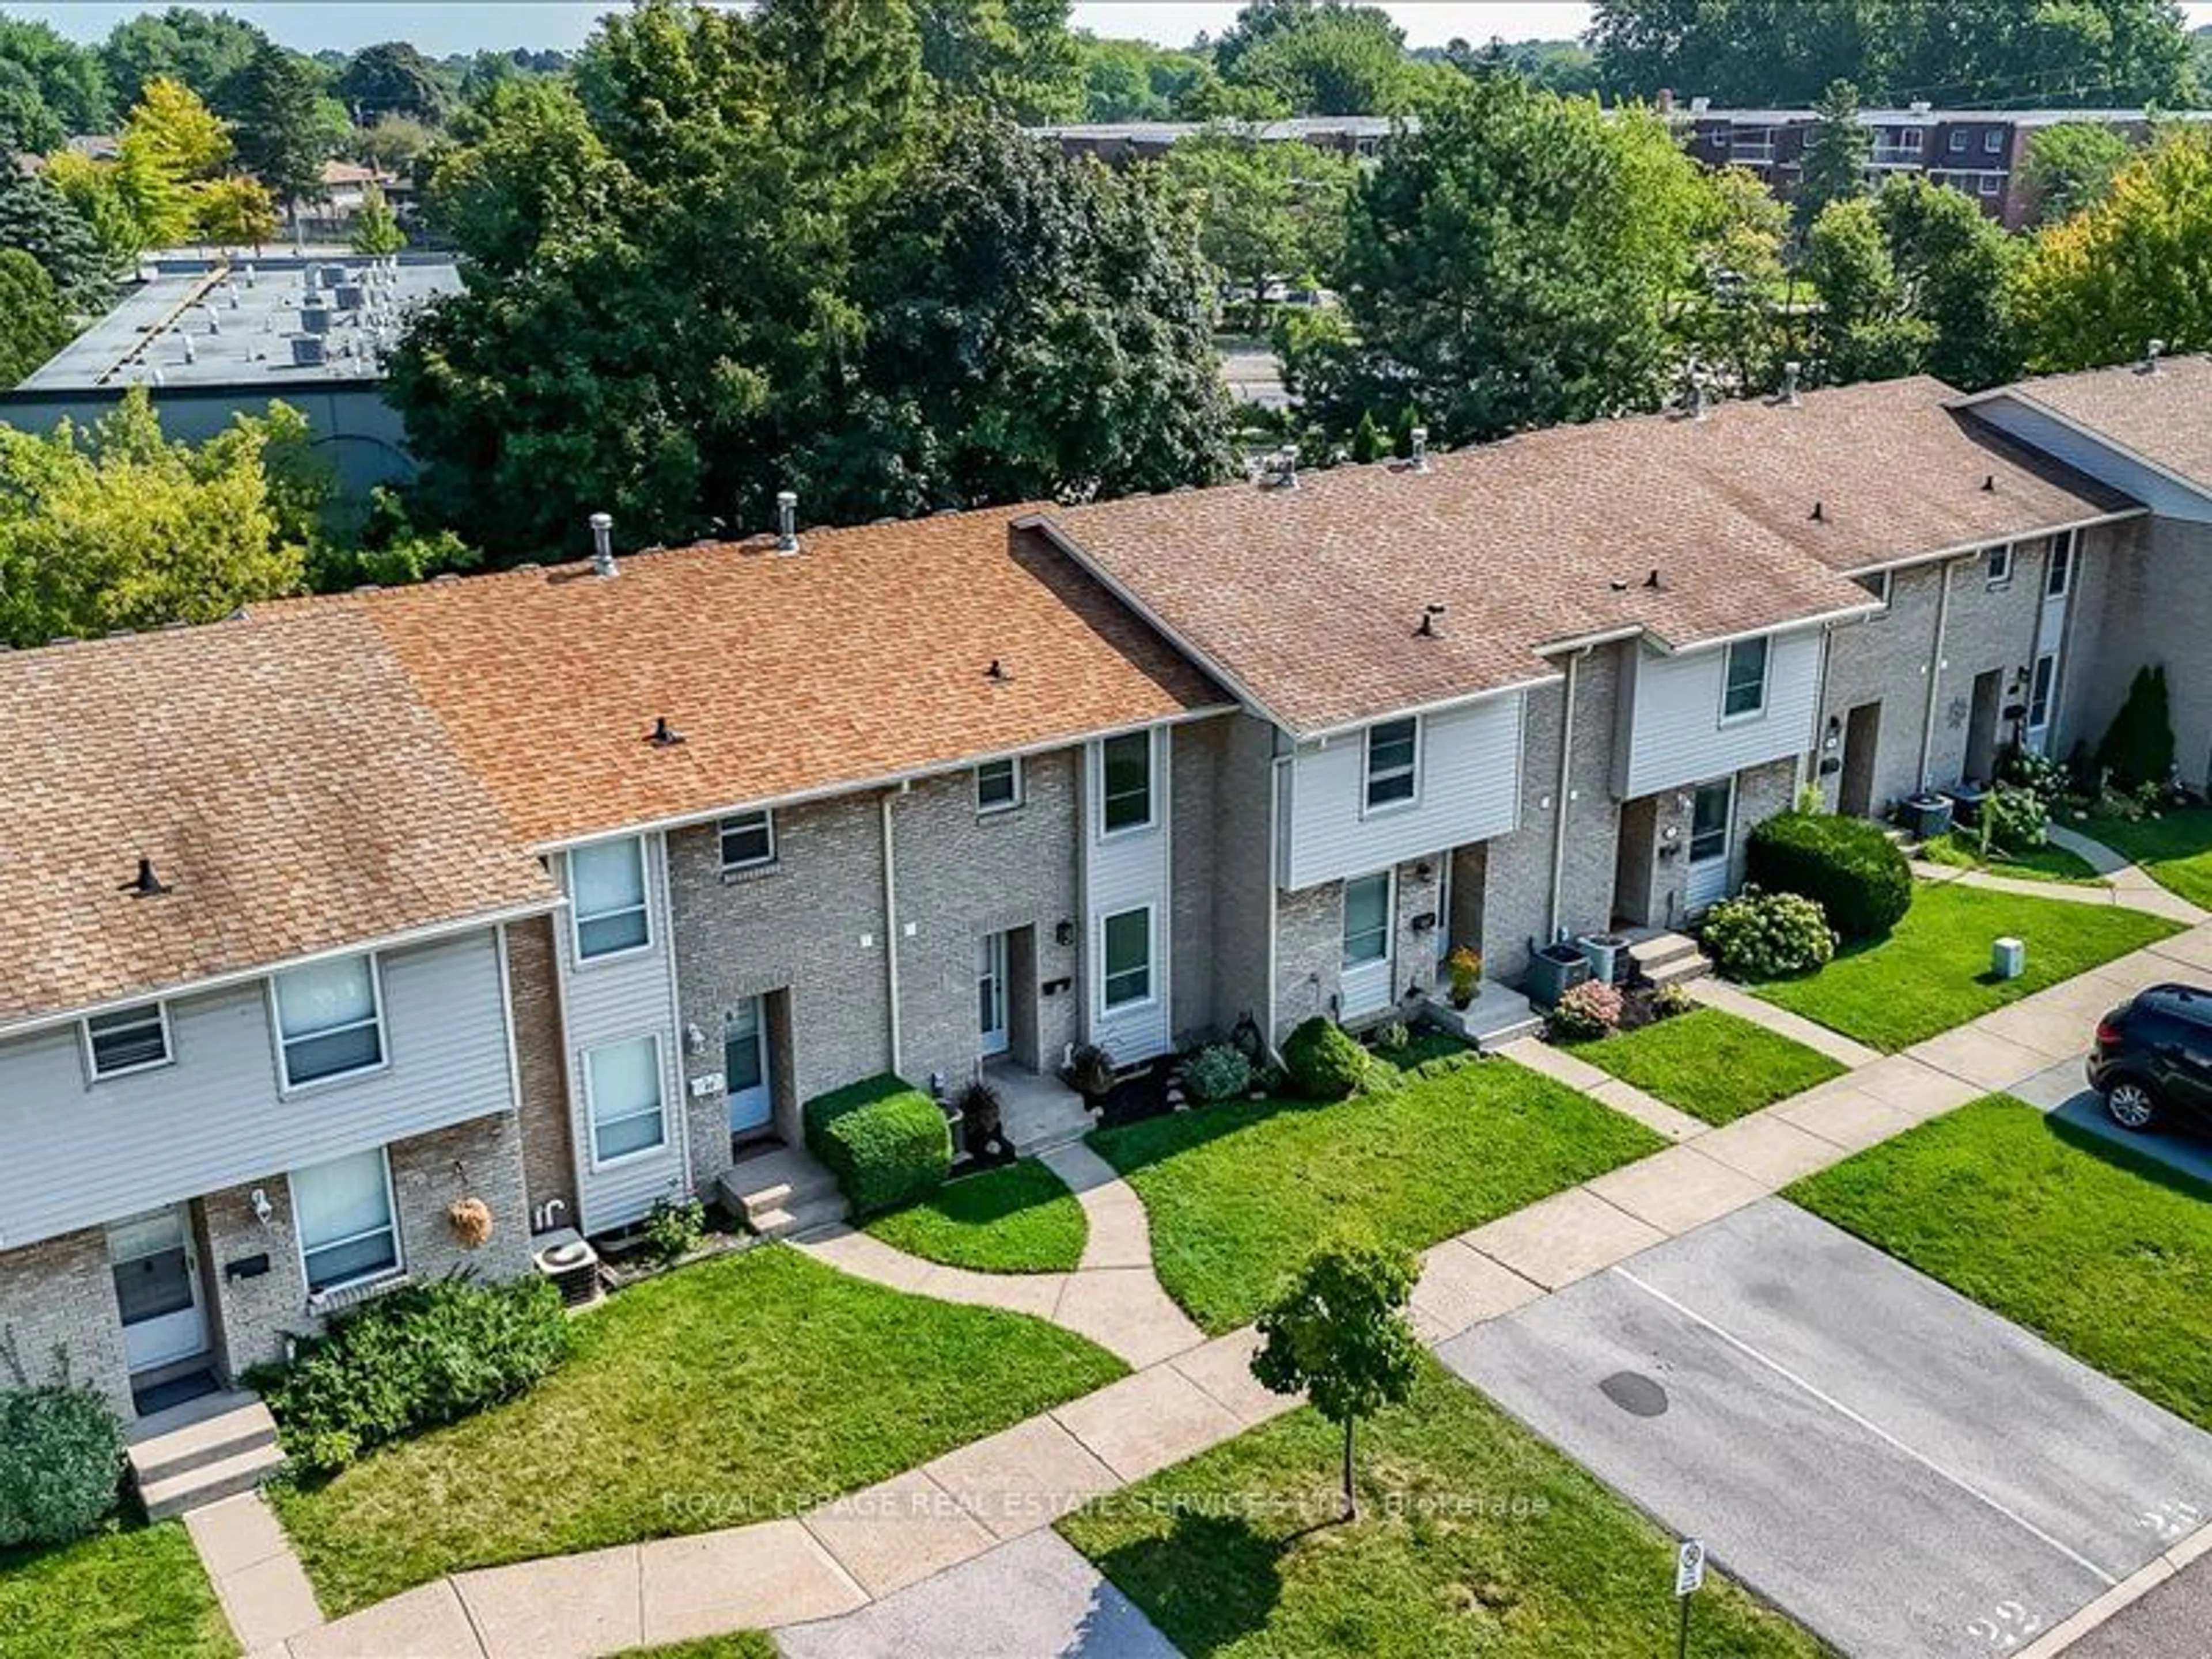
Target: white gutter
{"points": [[1566, 777], [1913, 562], [1936, 675], [891, 925]]}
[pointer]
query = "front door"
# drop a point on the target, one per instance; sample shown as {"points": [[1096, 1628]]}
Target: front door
{"points": [[1365, 985], [745, 1067], [1712, 811], [1862, 743], [157, 1288], [991, 994]]}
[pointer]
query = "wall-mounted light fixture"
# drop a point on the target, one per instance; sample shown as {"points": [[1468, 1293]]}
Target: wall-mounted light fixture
{"points": [[694, 1040], [263, 1210], [1063, 933]]}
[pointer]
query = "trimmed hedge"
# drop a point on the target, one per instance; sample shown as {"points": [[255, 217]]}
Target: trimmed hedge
{"points": [[1848, 867], [1324, 1061], [887, 1143], [61, 1461]]}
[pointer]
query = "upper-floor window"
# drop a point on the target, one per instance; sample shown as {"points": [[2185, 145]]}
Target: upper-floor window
{"points": [[1993, 140], [1743, 684], [1126, 953], [998, 785], [622, 1098], [1958, 140], [2059, 570], [128, 1040], [1999, 565], [749, 840], [1878, 583], [1392, 757], [606, 887], [329, 1020], [1125, 781]]}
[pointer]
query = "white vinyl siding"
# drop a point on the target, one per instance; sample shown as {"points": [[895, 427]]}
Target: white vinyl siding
{"points": [[1125, 879], [328, 1021], [127, 1040], [748, 841], [1469, 790], [2164, 495], [1673, 731], [606, 891], [1394, 750], [627, 1104], [998, 785], [342, 1213]]}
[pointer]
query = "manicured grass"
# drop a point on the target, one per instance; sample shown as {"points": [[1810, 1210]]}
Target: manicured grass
{"points": [[132, 1593], [1491, 1543], [1422, 1043], [2103, 1251], [731, 1391], [745, 1644], [1710, 1064], [2046, 863], [1020, 1218], [2174, 848], [1239, 1195], [1933, 971]]}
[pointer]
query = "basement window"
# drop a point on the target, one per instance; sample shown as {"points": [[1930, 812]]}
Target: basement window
{"points": [[748, 841], [128, 1040]]}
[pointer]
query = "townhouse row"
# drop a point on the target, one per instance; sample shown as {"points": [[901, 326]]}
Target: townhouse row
{"points": [[562, 889]]}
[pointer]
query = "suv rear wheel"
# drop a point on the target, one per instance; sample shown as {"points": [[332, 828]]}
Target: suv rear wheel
{"points": [[2132, 1105]]}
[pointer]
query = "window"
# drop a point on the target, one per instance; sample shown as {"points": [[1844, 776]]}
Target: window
{"points": [[998, 785], [1743, 690], [1709, 820], [128, 1040], [1367, 920], [1913, 138], [748, 841], [1877, 582], [1990, 184], [621, 1094], [2038, 696], [607, 885], [1393, 749], [1993, 140], [2059, 571], [1126, 800], [342, 1213], [1128, 949], [1958, 140], [328, 1024], [2000, 566]]}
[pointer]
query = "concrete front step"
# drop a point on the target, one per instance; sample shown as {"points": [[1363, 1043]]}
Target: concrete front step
{"points": [[1663, 950], [799, 1219], [208, 1483], [782, 1180], [197, 1435], [1678, 971], [1498, 1014]]}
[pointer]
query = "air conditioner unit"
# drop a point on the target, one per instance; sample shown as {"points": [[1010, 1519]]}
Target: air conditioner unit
{"points": [[567, 1259], [1607, 954]]}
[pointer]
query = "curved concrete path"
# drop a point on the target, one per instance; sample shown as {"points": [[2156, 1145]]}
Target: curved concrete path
{"points": [[1112, 1297], [2129, 885]]}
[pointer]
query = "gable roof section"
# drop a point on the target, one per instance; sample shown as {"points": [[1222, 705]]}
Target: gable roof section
{"points": [[1308, 600], [2162, 417], [289, 786], [865, 657]]}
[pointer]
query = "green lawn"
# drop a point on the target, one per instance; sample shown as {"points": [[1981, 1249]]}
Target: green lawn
{"points": [[1020, 1218], [736, 1390], [2089, 1243], [1239, 1195], [2174, 848], [745, 1644], [1497, 1545], [2046, 863], [132, 1593], [1932, 972], [1710, 1064]]}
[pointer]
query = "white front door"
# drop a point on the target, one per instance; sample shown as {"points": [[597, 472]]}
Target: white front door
{"points": [[157, 1288], [1365, 985], [745, 1069], [1712, 818], [991, 994]]}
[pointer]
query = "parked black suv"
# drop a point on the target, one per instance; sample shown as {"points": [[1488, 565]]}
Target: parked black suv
{"points": [[2153, 1059]]}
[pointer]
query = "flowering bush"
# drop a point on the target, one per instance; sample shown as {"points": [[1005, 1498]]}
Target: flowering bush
{"points": [[1765, 935], [1465, 967], [2039, 775], [2016, 819], [1588, 1010], [1217, 1072]]}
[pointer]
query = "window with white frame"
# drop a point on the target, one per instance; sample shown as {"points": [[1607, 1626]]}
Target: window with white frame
{"points": [[1878, 583], [748, 839], [623, 1098], [1125, 781], [2059, 570], [1126, 950], [1993, 140], [1990, 183], [998, 785], [1743, 684], [1367, 919], [128, 1040], [1914, 137], [329, 1020], [1999, 566], [1393, 755], [343, 1214], [2039, 689], [1958, 140], [606, 888]]}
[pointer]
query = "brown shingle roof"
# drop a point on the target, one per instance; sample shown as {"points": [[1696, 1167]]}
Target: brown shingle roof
{"points": [[1309, 599], [280, 772], [865, 656], [2165, 417]]}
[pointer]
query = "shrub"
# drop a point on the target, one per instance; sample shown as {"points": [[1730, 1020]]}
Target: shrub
{"points": [[1323, 1061], [2016, 819], [61, 1456], [2039, 775], [1848, 867], [1392, 1034], [1217, 1072], [1090, 1071], [885, 1140], [2138, 745], [423, 1355], [674, 1226], [1669, 1000], [1584, 1011], [1766, 935]]}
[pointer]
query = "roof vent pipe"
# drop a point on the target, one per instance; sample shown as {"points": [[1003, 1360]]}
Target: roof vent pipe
{"points": [[602, 544], [1286, 467], [1790, 371], [1420, 435], [786, 521], [2155, 350]]}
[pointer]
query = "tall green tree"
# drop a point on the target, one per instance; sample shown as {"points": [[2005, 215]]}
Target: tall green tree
{"points": [[2072, 165], [117, 526], [1833, 168], [282, 132], [1321, 57], [1265, 209], [202, 49], [50, 89], [1135, 80], [1951, 264], [394, 78], [33, 324], [36, 218], [1863, 330], [1016, 56]]}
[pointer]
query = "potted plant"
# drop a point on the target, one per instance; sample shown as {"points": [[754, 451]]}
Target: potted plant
{"points": [[1465, 967]]}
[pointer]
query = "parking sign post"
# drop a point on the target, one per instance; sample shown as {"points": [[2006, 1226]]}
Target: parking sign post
{"points": [[1689, 1573]]}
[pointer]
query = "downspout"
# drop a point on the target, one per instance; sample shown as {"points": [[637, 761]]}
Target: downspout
{"points": [[890, 926], [1566, 774], [1275, 764], [1810, 771], [1935, 675]]}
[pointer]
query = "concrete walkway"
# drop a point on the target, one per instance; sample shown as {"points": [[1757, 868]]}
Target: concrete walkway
{"points": [[2124, 884], [1626, 1098], [2094, 853]]}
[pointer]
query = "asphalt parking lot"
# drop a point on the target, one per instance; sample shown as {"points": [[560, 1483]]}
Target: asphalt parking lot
{"points": [[1904, 1472]]}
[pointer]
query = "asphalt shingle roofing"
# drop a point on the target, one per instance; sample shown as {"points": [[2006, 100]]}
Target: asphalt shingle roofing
{"points": [[2165, 417]]}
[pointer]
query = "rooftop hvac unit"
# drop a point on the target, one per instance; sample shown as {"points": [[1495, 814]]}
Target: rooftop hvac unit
{"points": [[573, 1266], [316, 320], [349, 296], [308, 351]]}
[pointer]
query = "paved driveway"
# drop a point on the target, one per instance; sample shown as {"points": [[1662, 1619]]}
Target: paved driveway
{"points": [[2062, 1093], [1901, 1469]]}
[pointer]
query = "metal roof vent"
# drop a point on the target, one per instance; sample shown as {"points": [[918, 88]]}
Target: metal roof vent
{"points": [[145, 883], [1286, 467], [1421, 437], [998, 673], [786, 521], [602, 544], [2152, 353], [663, 735], [1432, 621], [1789, 372]]}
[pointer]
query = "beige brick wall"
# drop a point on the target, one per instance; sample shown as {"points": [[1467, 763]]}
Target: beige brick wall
{"points": [[548, 1158], [57, 1297]]}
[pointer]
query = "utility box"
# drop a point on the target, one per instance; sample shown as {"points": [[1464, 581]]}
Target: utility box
{"points": [[2008, 958]]}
